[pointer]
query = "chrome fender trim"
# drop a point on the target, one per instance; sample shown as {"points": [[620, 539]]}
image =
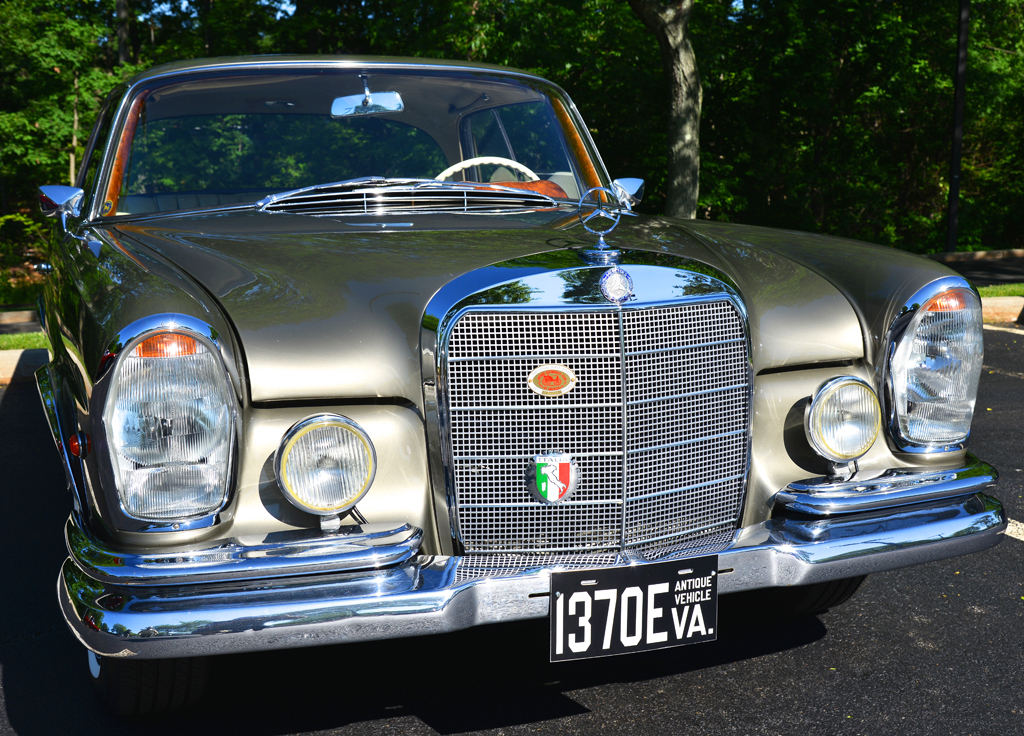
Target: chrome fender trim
{"points": [[50, 400], [897, 487], [426, 596]]}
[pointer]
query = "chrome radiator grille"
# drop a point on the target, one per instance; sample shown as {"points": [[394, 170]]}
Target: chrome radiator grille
{"points": [[657, 423]]}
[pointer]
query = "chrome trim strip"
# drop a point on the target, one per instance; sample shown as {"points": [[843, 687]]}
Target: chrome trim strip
{"points": [[527, 407], [684, 443], [533, 504], [640, 402], [688, 347], [425, 596], [896, 487], [624, 389], [48, 397], [616, 453], [893, 336], [687, 488], [529, 357], [299, 552]]}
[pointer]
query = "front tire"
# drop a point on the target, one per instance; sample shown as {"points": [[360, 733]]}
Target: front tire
{"points": [[810, 600], [131, 687]]}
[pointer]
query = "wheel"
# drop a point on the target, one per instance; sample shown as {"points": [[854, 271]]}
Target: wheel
{"points": [[131, 687], [819, 597], [487, 160]]}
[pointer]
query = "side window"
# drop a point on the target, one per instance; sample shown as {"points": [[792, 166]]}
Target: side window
{"points": [[488, 135], [526, 133], [94, 153]]}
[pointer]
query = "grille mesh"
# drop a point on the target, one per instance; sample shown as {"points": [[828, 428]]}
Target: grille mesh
{"points": [[680, 429]]}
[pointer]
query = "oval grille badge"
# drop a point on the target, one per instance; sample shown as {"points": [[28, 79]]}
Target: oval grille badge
{"points": [[552, 477], [616, 285], [551, 380]]}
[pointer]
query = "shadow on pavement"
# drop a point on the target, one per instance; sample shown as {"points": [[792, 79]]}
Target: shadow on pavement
{"points": [[40, 662], [491, 677], [486, 678]]}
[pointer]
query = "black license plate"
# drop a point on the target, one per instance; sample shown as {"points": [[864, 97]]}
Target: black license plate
{"points": [[598, 613]]}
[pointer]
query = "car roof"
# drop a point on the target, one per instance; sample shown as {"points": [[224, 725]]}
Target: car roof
{"points": [[319, 60]]}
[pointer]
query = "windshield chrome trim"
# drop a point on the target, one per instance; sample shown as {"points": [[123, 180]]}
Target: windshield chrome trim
{"points": [[271, 63]]}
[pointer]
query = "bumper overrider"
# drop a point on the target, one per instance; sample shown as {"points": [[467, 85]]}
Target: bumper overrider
{"points": [[365, 583]]}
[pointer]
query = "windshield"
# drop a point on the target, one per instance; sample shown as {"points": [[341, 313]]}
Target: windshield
{"points": [[233, 140]]}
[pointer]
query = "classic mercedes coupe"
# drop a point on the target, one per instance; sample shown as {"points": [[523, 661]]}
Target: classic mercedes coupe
{"points": [[350, 349]]}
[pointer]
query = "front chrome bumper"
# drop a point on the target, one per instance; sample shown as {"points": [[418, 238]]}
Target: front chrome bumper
{"points": [[127, 616]]}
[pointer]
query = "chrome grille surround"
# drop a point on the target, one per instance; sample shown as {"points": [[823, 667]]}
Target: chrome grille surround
{"points": [[662, 441]]}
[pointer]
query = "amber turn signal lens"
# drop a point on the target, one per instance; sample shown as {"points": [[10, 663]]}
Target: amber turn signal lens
{"points": [[168, 345], [80, 445], [951, 301]]}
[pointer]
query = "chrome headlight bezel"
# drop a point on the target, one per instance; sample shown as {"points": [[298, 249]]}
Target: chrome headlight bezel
{"points": [[902, 328], [119, 517], [301, 429], [825, 392]]}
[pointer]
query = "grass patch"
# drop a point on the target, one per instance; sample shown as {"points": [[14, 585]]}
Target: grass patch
{"points": [[24, 341], [1002, 290]]}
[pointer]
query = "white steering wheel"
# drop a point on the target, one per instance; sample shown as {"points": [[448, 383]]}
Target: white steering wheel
{"points": [[530, 176]]}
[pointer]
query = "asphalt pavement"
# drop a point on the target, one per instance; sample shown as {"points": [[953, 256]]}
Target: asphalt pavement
{"points": [[990, 271], [933, 649]]}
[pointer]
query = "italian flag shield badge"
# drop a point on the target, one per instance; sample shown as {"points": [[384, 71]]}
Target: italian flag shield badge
{"points": [[553, 477]]}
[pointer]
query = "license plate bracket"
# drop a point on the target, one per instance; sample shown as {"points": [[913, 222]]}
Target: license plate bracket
{"points": [[666, 604]]}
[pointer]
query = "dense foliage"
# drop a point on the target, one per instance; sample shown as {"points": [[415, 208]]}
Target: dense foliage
{"points": [[824, 115]]}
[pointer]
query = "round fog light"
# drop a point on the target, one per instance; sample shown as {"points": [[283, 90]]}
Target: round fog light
{"points": [[843, 420], [325, 464]]}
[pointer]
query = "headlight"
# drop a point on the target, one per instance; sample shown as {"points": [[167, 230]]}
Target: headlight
{"points": [[325, 464], [170, 424], [843, 419], [934, 370]]}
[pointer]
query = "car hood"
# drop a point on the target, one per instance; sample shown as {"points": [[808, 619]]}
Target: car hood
{"points": [[329, 309]]}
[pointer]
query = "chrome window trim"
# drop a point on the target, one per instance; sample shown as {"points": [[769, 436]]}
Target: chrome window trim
{"points": [[699, 282], [893, 336], [127, 338]]}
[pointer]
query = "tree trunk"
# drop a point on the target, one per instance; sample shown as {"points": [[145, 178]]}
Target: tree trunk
{"points": [[72, 168], [124, 48], [671, 26]]}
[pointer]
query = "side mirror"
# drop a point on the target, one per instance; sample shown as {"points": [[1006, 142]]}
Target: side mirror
{"points": [[54, 200], [629, 191]]}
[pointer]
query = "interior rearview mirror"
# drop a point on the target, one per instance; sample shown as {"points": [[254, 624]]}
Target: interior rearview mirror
{"points": [[377, 103]]}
